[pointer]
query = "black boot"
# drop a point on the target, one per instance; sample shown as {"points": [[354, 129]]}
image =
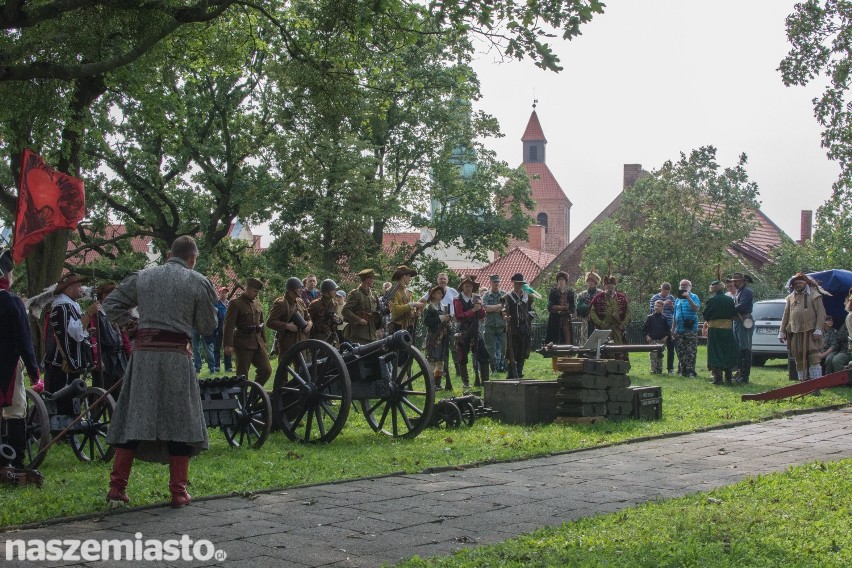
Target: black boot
{"points": [[16, 436], [717, 376], [745, 367]]}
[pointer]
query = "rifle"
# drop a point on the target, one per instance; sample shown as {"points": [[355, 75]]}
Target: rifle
{"points": [[510, 344]]}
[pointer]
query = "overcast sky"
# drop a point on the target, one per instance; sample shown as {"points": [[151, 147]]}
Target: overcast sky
{"points": [[650, 79]]}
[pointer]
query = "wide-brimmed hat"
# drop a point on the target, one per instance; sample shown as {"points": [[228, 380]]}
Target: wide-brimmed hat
{"points": [[593, 275], [104, 290], [469, 280], [739, 276], [68, 280], [518, 277], [254, 283], [6, 262], [367, 273], [800, 276], [436, 289], [402, 271]]}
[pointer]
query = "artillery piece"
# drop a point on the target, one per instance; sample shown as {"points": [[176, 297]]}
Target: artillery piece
{"points": [[86, 437], [237, 406], [315, 385], [9, 475]]}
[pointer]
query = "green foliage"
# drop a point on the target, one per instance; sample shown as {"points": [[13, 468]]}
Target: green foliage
{"points": [[819, 32], [676, 222]]}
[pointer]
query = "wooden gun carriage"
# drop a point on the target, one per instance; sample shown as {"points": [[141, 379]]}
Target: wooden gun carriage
{"points": [[237, 406], [87, 425], [316, 384]]}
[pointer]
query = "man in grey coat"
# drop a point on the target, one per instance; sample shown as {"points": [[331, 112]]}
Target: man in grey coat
{"points": [[158, 415]]}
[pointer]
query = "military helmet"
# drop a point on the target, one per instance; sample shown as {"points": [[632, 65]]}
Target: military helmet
{"points": [[293, 283], [328, 285]]}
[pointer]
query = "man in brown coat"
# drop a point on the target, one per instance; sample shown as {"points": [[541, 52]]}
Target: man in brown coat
{"points": [[244, 334], [323, 313], [289, 317], [361, 310], [801, 325]]}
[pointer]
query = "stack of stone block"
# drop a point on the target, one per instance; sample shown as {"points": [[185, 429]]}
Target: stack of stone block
{"points": [[593, 389]]}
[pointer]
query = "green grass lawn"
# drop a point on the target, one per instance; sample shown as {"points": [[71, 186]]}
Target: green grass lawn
{"points": [[72, 487], [796, 518]]}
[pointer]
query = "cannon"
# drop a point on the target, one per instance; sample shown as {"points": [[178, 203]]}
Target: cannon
{"points": [[315, 385], [239, 407], [86, 436], [457, 410], [607, 350], [10, 475]]}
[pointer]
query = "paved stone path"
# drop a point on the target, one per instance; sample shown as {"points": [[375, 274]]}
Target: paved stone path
{"points": [[374, 521]]}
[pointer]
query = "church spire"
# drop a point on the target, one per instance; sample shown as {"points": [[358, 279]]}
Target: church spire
{"points": [[533, 139]]}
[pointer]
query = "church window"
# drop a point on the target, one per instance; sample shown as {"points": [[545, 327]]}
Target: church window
{"points": [[542, 220], [533, 153]]}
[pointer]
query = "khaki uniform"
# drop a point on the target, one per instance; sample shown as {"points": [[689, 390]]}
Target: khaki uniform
{"points": [[243, 330], [361, 304], [280, 315], [323, 312]]}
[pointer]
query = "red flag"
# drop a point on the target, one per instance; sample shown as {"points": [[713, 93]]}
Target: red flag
{"points": [[48, 201]]}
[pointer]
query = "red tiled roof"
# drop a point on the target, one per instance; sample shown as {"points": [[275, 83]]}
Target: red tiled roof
{"points": [[138, 244], [533, 131], [762, 240], [542, 182], [393, 240], [525, 260]]}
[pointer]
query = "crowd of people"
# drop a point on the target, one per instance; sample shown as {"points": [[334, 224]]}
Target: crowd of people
{"points": [[146, 338]]}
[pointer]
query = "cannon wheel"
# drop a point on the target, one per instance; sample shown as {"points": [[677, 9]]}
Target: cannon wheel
{"points": [[38, 429], [254, 418], [468, 413], [447, 414], [407, 409], [312, 393], [89, 438]]}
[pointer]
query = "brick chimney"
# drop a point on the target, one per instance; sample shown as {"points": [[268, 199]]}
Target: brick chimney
{"points": [[806, 225], [632, 172]]}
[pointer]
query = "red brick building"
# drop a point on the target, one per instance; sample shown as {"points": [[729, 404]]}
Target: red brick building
{"points": [[551, 217]]}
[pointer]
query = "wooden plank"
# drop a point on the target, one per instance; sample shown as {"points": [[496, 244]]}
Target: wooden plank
{"points": [[837, 379]]}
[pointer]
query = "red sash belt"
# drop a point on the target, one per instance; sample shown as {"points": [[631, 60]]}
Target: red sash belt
{"points": [[163, 341]]}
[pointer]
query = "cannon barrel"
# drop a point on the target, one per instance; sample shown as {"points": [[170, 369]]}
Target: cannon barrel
{"points": [[552, 350], [74, 388], [7, 455], [399, 340]]}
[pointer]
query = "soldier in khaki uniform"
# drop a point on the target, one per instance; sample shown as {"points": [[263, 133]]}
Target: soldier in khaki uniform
{"points": [[361, 310], [243, 334], [289, 317], [324, 315]]}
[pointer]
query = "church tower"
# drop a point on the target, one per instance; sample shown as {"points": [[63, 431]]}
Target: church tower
{"points": [[552, 214]]}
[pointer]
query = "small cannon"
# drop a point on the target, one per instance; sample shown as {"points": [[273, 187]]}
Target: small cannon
{"points": [[239, 407], [315, 385], [87, 423], [457, 410], [12, 476]]}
